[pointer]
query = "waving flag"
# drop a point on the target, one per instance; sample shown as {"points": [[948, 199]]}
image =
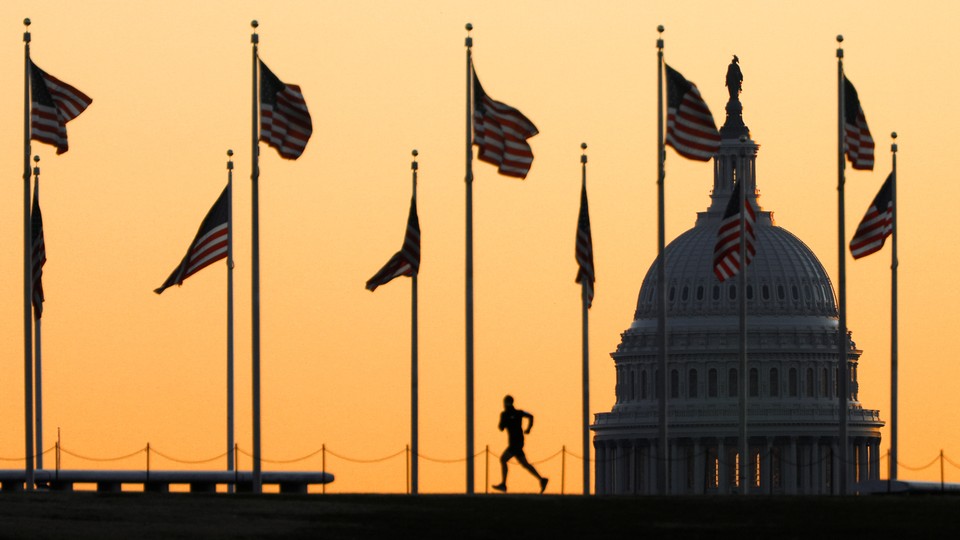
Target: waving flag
{"points": [[501, 132], [39, 252], [53, 104], [285, 122], [859, 142], [726, 252], [208, 247], [405, 262], [691, 130], [876, 225], [585, 274]]}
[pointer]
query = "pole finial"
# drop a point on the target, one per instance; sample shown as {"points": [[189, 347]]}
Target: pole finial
{"points": [[469, 27], [469, 41], [254, 24], [660, 30], [839, 38], [894, 135], [36, 159], [583, 156], [893, 147], [26, 22], [583, 146], [415, 153], [229, 153]]}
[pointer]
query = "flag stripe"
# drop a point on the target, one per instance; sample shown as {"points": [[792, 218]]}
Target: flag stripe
{"points": [[209, 245], [877, 223]]}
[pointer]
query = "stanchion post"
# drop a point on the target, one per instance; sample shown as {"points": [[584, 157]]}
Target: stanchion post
{"points": [[323, 465], [148, 462], [408, 469], [236, 465], [563, 468], [941, 471], [486, 470]]}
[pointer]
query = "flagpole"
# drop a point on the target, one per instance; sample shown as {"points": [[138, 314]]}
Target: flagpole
{"points": [[663, 464], [255, 271], [37, 369], [745, 460], [469, 287], [842, 341], [414, 366], [584, 284], [894, 374], [27, 270], [230, 433]]}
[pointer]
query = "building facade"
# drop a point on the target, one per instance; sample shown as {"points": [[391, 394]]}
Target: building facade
{"points": [[792, 389]]}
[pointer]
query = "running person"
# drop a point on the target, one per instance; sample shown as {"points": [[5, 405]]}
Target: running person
{"points": [[511, 419]]}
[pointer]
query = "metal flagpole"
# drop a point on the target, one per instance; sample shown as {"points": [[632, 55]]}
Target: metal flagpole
{"points": [[255, 271], [469, 288], [745, 461], [586, 355], [842, 341], [27, 270], [230, 434], [895, 263], [663, 464], [37, 365], [414, 366]]}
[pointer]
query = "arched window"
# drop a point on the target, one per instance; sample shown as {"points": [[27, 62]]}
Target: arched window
{"points": [[712, 383], [700, 292], [824, 379], [643, 384], [810, 382], [749, 292], [692, 383], [793, 382], [716, 292], [673, 293], [733, 292], [674, 384], [657, 384], [765, 292], [685, 294], [754, 382], [633, 385], [732, 383], [774, 382], [781, 294]]}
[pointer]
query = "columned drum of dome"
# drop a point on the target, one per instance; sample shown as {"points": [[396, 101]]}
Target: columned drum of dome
{"points": [[792, 384]]}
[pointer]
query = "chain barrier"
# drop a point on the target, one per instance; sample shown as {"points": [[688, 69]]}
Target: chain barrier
{"points": [[153, 450], [676, 457]]}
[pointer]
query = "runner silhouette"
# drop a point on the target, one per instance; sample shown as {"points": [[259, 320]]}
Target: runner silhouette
{"points": [[511, 419]]}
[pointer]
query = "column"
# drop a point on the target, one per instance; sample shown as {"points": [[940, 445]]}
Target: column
{"points": [[724, 487], [766, 465], [600, 469], [790, 467], [864, 469], [699, 466]]}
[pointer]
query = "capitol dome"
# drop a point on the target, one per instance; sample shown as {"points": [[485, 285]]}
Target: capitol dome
{"points": [[792, 351]]}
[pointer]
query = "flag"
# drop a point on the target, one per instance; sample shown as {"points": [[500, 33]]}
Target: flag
{"points": [[208, 247], [857, 137], [585, 274], [53, 104], [39, 252], [877, 223], [691, 130], [284, 119], [726, 252], [405, 262], [501, 133]]}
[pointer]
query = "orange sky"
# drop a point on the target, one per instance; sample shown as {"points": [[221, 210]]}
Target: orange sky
{"points": [[171, 88]]}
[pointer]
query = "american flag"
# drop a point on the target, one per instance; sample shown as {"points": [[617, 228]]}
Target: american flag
{"points": [[726, 253], [405, 262], [53, 104], [877, 223], [285, 122], [39, 252], [208, 247], [691, 130], [857, 137], [585, 274], [501, 132]]}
